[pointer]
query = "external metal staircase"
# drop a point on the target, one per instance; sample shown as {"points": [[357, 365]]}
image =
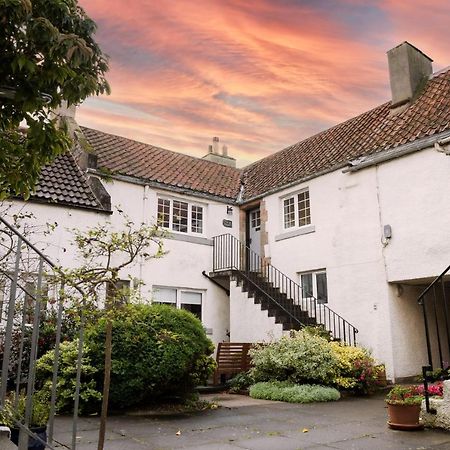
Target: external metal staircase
{"points": [[283, 298]]}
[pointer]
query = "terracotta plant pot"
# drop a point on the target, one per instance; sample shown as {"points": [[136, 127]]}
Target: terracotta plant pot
{"points": [[404, 417]]}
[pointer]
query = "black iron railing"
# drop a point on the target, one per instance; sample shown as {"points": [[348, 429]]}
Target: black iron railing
{"points": [[435, 306], [229, 254]]}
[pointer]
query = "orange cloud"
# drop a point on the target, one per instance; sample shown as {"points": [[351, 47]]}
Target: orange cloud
{"points": [[259, 74]]}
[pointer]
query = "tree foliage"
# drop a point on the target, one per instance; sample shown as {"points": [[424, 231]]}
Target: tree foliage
{"points": [[48, 56], [157, 350]]}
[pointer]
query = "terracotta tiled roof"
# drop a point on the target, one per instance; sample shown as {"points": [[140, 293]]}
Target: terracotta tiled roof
{"points": [[63, 182], [368, 133], [127, 157]]}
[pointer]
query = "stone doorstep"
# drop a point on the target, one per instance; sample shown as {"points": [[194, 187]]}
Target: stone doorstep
{"points": [[442, 406]]}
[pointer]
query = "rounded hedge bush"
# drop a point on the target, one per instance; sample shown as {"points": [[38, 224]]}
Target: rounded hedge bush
{"points": [[157, 351], [293, 393]]}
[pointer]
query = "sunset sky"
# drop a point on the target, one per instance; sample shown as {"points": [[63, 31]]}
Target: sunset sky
{"points": [[259, 74]]}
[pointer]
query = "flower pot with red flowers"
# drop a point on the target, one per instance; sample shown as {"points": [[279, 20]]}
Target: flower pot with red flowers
{"points": [[404, 407]]}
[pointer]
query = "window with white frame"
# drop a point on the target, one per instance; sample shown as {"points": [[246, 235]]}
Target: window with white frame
{"points": [[296, 210], [180, 216], [187, 299], [314, 284], [255, 220]]}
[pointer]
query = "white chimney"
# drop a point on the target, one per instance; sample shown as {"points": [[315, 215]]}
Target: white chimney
{"points": [[409, 69], [215, 156], [215, 145]]}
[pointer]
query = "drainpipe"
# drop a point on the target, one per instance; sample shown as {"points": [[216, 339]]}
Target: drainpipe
{"points": [[144, 221]]}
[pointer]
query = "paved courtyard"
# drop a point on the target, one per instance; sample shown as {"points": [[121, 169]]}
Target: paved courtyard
{"points": [[244, 423]]}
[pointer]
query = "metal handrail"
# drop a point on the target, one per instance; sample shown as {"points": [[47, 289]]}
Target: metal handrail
{"points": [[435, 281], [231, 254], [435, 303]]}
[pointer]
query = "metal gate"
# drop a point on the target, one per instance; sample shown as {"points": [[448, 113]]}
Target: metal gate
{"points": [[30, 289]]}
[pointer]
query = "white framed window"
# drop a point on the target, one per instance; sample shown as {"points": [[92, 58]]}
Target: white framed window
{"points": [[188, 299], [255, 220], [181, 216], [296, 210], [314, 284]]}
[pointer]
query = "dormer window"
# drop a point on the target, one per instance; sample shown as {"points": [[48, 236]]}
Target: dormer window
{"points": [[180, 216]]}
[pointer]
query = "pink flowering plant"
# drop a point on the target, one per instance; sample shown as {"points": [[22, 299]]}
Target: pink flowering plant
{"points": [[436, 389], [404, 395]]}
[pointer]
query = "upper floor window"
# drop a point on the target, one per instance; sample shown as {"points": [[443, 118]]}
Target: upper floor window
{"points": [[296, 210], [180, 216]]}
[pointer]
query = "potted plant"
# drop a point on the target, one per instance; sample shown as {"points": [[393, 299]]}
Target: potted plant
{"points": [[404, 407], [14, 411]]}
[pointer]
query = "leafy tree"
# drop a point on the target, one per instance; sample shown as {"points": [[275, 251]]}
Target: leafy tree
{"points": [[47, 57]]}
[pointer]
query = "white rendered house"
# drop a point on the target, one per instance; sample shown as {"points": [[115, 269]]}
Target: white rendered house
{"points": [[345, 228]]}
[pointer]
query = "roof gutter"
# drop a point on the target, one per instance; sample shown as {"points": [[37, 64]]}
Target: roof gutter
{"points": [[366, 161]]}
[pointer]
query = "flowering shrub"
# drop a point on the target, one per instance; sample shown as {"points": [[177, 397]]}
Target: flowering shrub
{"points": [[356, 368], [404, 395], [307, 357], [436, 389]]}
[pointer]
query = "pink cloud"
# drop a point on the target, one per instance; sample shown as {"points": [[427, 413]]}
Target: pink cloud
{"points": [[261, 75]]}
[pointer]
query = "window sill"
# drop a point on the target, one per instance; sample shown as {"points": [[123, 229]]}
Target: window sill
{"points": [[188, 238], [298, 232]]}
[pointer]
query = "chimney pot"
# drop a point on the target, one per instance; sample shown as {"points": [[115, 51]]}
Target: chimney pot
{"points": [[215, 145], [224, 150], [210, 148]]}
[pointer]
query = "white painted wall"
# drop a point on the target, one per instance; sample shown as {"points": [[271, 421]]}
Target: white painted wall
{"points": [[348, 214], [414, 200], [181, 267], [248, 323]]}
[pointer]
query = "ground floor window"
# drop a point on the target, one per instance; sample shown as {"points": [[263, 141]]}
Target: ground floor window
{"points": [[314, 284], [190, 300]]}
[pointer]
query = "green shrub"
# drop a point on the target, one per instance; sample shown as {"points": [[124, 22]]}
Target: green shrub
{"points": [[300, 358], [90, 397], [293, 393], [157, 350], [14, 407], [318, 330], [240, 381]]}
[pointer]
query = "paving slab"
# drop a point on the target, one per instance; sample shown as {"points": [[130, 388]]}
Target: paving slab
{"points": [[244, 423]]}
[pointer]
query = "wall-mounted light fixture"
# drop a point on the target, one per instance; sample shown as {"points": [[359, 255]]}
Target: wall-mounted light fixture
{"points": [[229, 210]]}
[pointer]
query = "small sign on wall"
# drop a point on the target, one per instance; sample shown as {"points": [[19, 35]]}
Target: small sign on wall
{"points": [[227, 223]]}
